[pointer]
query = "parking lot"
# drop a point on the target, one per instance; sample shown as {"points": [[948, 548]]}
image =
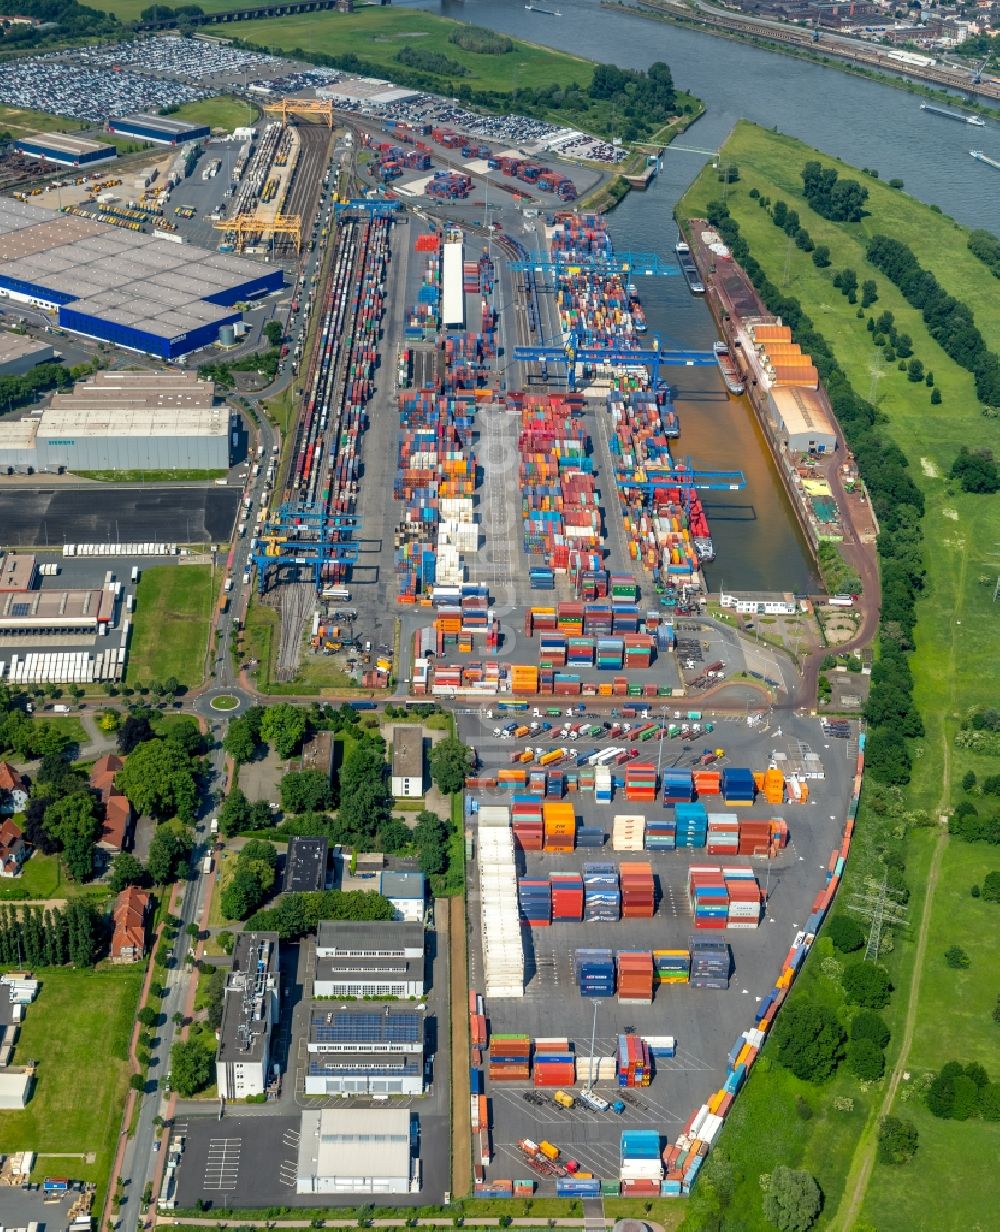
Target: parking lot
{"points": [[705, 1023]]}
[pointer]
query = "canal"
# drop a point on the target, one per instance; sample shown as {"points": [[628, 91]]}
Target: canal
{"points": [[758, 543]]}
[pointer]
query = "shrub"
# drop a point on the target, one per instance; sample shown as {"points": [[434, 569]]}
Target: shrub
{"points": [[866, 1024], [865, 1059], [897, 1140], [846, 934], [867, 985]]}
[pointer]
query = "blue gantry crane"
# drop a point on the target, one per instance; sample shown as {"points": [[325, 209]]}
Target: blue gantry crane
{"points": [[635, 264], [374, 206], [650, 477], [572, 353], [299, 536]]}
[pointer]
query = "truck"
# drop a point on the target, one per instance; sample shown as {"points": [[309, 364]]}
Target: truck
{"points": [[549, 1150], [213, 826], [206, 864], [597, 1103], [563, 1100], [135, 574]]}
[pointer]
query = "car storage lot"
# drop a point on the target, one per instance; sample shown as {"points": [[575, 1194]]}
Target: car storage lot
{"points": [[705, 1023]]}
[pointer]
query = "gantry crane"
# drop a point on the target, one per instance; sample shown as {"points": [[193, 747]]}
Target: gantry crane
{"points": [[651, 477], [245, 226], [304, 108], [572, 353], [299, 536], [645, 264]]}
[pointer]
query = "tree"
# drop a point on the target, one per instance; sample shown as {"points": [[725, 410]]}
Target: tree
{"points": [[283, 727], [274, 333], [306, 791], [976, 471], [897, 1140], [134, 731], [365, 799], [866, 1024], [846, 934], [137, 1082], [869, 292], [915, 371], [74, 822], [968, 780], [234, 815], [821, 256], [240, 741], [147, 1016], [991, 888], [809, 1040], [956, 957], [243, 893], [214, 997], [866, 985], [261, 815], [158, 779], [225, 941], [126, 871], [865, 1059], [792, 1200], [191, 1065], [168, 852], [431, 836], [450, 763]]}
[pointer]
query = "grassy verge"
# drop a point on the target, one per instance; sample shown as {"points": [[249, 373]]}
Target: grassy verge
{"points": [[173, 611], [44, 877], [949, 1184], [190, 476], [78, 1030]]}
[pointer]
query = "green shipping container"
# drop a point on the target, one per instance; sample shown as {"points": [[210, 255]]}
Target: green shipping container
{"points": [[610, 1189]]}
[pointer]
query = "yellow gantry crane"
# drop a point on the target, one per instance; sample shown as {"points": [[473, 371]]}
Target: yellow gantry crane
{"points": [[304, 108], [246, 226]]}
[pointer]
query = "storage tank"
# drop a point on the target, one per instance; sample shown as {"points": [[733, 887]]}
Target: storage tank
{"points": [[227, 335]]}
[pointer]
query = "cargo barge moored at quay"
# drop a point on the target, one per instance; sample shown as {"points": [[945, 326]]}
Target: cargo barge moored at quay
{"points": [[730, 373], [688, 268]]}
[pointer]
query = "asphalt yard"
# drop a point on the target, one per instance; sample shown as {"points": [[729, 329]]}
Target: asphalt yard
{"points": [[52, 516]]}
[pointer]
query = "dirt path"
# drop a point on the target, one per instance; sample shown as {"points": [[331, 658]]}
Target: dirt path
{"points": [[864, 1159]]}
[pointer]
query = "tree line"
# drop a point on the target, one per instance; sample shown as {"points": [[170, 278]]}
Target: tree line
{"points": [[74, 935], [899, 505], [986, 246], [298, 914], [949, 321], [831, 197]]}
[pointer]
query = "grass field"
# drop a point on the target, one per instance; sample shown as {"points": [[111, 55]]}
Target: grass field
{"points": [[376, 34], [173, 611], [18, 121], [77, 1030], [949, 1185], [222, 112], [140, 476]]}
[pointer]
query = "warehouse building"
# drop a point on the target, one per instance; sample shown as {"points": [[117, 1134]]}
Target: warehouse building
{"points": [[372, 959], [249, 1012], [123, 287], [123, 421], [19, 354], [355, 1150], [162, 130], [802, 419], [374, 1050], [25, 609], [453, 286], [65, 149]]}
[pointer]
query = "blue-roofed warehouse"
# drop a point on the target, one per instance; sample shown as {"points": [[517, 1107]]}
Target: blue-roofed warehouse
{"points": [[163, 130], [132, 290], [65, 149]]}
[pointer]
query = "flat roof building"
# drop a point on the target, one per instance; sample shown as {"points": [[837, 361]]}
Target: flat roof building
{"points": [[65, 149], [355, 1150], [163, 130], [305, 864], [407, 761], [123, 421], [407, 891], [365, 1050], [24, 609], [453, 286], [19, 353], [133, 290], [372, 959], [249, 1011]]}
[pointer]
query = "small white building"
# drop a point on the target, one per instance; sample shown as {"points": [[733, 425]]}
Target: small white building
{"points": [[249, 1011], [408, 762], [407, 892], [355, 1151], [15, 1088], [760, 603]]}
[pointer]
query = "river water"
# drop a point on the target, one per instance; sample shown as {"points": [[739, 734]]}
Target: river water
{"points": [[757, 541]]}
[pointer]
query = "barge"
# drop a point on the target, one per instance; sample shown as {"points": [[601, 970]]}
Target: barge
{"points": [[974, 120], [688, 268], [727, 366], [980, 157]]}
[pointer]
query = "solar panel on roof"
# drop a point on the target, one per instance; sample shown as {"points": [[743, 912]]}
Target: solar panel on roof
{"points": [[368, 1028], [20, 609]]}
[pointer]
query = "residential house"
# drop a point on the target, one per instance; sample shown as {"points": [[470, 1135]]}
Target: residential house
{"points": [[117, 812], [13, 852], [13, 792], [131, 911]]}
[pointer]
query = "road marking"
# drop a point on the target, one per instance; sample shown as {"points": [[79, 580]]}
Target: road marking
{"points": [[222, 1163]]}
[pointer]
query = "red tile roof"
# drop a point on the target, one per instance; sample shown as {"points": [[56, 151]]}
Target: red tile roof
{"points": [[10, 780], [131, 908], [117, 817], [102, 776]]}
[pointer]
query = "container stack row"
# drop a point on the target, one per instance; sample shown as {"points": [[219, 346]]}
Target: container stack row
{"points": [[503, 947], [724, 897], [510, 1058]]}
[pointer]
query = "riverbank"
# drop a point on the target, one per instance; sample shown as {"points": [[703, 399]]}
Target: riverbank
{"points": [[776, 42], [829, 1129]]}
